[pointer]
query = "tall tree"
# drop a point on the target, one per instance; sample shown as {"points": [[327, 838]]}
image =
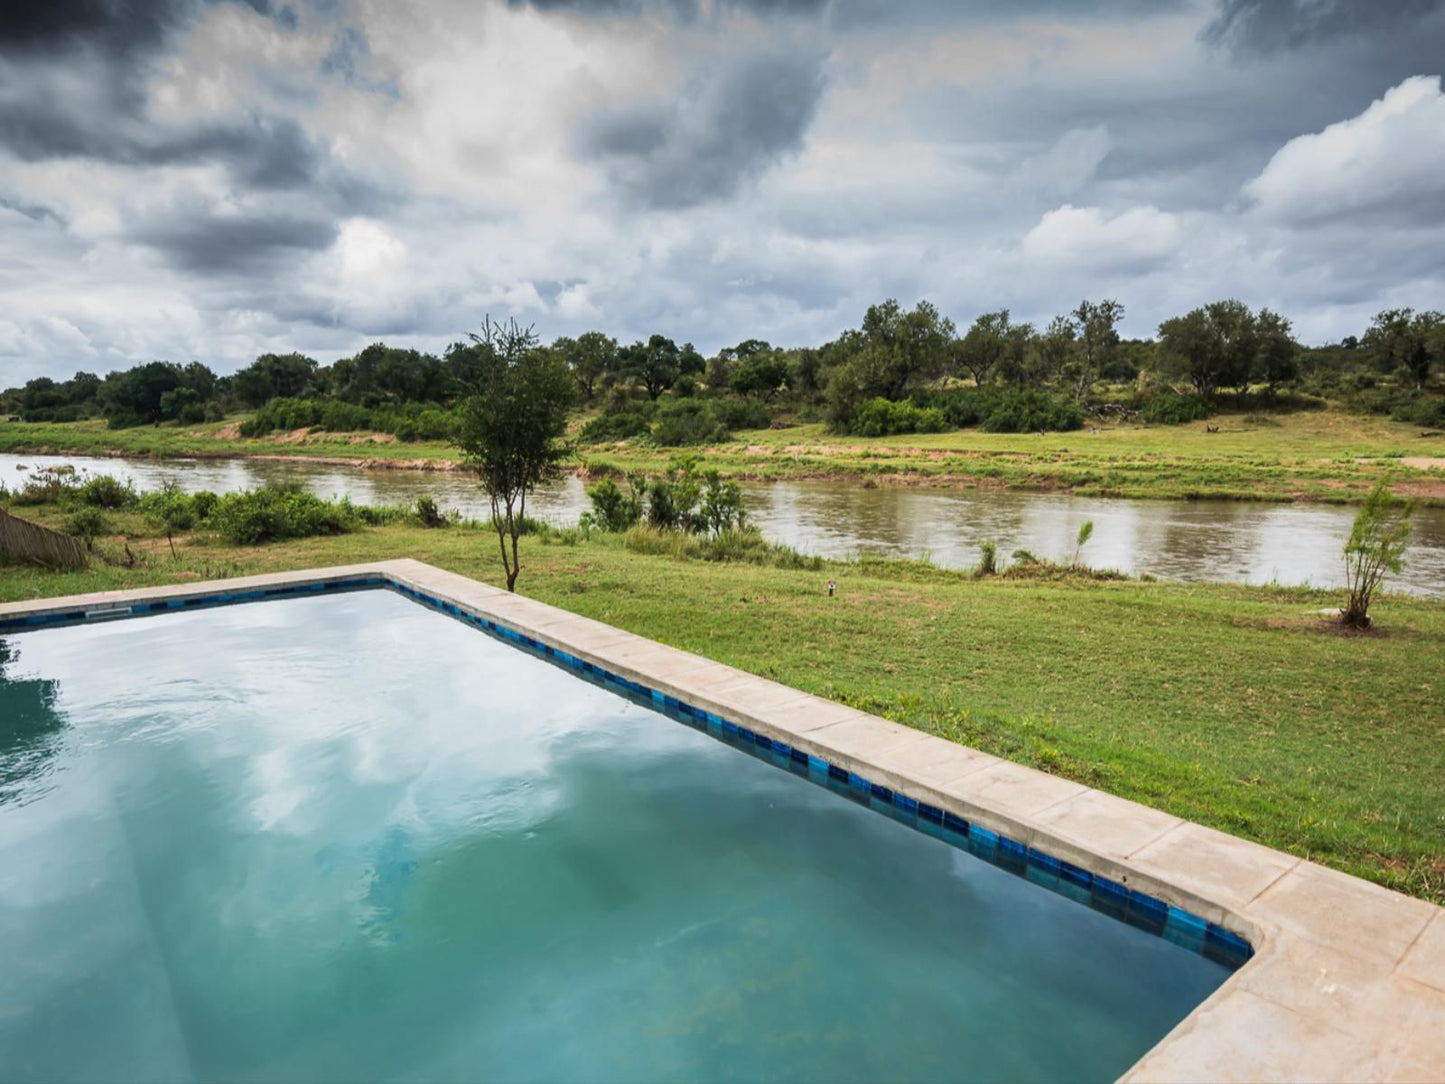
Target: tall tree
{"points": [[1278, 359], [993, 344], [591, 356], [1054, 346], [1096, 339], [1214, 347], [893, 352], [655, 364], [1405, 339], [510, 430], [271, 375]]}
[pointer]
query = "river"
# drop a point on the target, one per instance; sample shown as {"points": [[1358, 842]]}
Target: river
{"points": [[1184, 540]]}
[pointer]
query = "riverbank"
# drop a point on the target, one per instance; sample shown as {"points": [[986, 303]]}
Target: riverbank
{"points": [[1238, 707], [1324, 456]]}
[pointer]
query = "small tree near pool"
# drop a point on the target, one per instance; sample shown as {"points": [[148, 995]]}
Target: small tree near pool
{"points": [[1376, 545], [511, 425]]}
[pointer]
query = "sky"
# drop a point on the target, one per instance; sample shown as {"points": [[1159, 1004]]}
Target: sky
{"points": [[214, 179]]}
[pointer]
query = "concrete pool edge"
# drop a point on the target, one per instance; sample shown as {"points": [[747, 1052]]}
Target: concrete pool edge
{"points": [[1348, 980]]}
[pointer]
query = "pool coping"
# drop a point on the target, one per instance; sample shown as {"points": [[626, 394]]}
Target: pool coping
{"points": [[1347, 978]]}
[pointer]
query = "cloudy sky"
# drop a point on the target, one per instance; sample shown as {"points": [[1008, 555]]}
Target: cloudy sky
{"points": [[211, 179]]}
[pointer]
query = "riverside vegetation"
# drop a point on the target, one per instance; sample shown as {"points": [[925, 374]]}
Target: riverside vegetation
{"points": [[1222, 403], [1239, 707]]}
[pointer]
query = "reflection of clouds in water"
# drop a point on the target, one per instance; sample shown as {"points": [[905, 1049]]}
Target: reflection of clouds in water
{"points": [[1187, 540], [348, 734], [408, 706]]}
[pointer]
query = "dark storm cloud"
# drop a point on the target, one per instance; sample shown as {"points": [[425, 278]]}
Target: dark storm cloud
{"points": [[197, 241], [36, 212], [1266, 26], [119, 28], [704, 142], [114, 27], [683, 10], [74, 80]]}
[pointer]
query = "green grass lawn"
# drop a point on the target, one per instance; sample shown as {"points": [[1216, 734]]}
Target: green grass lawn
{"points": [[1325, 455], [1238, 707]]}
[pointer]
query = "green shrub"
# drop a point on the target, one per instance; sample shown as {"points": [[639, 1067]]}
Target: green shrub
{"points": [[1033, 411], [272, 513], [612, 509], [428, 512], [410, 422], [1172, 409], [1002, 410], [987, 559], [741, 412], [738, 544], [623, 424], [50, 486], [688, 422], [880, 417], [1377, 543], [203, 503], [105, 491], [963, 407], [88, 523], [1422, 410]]}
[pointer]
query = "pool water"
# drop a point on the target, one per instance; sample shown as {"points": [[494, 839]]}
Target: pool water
{"points": [[346, 837]]}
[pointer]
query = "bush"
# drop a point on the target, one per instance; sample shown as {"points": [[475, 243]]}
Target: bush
{"points": [[742, 413], [46, 487], [428, 512], [1033, 411], [987, 559], [1425, 410], [88, 523], [1000, 410], [408, 423], [273, 513], [738, 544], [963, 407], [1376, 545], [104, 491], [880, 417], [688, 422], [203, 503], [171, 510], [613, 510], [635, 420], [1172, 409]]}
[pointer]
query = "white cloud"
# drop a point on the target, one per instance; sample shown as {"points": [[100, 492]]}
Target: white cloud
{"points": [[1388, 162], [1087, 238], [574, 303]]}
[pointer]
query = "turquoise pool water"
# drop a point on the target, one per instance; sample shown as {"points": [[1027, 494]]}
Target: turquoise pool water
{"points": [[346, 838]]}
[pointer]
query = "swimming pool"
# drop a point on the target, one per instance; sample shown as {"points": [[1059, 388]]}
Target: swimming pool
{"points": [[344, 837]]}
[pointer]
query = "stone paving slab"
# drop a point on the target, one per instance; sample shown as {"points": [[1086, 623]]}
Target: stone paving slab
{"points": [[1348, 978], [1425, 960]]}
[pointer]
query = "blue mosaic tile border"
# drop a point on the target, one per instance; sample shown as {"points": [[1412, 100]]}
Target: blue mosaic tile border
{"points": [[1138, 909], [99, 614]]}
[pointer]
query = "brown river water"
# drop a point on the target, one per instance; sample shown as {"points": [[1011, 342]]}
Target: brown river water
{"points": [[1210, 541]]}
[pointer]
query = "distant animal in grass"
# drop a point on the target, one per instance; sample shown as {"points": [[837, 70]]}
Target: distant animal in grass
{"points": [[1211, 428]]}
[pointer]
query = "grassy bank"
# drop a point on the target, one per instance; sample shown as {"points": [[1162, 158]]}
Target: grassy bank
{"points": [[1236, 707], [1321, 456]]}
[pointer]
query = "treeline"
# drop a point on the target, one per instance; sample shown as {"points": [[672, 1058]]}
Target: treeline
{"points": [[900, 371]]}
